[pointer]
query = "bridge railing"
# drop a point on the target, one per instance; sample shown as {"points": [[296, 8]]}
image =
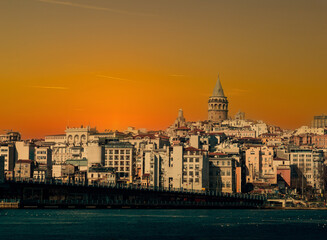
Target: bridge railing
{"points": [[136, 187]]}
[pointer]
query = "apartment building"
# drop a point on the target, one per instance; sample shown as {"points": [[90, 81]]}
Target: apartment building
{"points": [[121, 157], [310, 163], [99, 174], [24, 169], [7, 150], [222, 173], [195, 167], [253, 164]]}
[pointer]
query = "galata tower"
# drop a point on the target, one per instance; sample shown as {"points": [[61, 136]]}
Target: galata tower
{"points": [[217, 104]]}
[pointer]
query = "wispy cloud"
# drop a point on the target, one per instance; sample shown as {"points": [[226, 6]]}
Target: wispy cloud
{"points": [[85, 6], [50, 87], [115, 78]]}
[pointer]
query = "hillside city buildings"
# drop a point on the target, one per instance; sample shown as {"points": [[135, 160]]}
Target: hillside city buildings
{"points": [[223, 153]]}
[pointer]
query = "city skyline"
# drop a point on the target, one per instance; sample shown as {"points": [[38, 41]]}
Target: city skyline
{"points": [[118, 64]]}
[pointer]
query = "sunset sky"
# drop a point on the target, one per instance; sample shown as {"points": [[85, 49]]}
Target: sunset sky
{"points": [[114, 64]]}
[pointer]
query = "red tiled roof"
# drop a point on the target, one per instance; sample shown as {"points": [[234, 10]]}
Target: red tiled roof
{"points": [[198, 130], [192, 149], [217, 133], [163, 136], [151, 136], [24, 161], [182, 128]]}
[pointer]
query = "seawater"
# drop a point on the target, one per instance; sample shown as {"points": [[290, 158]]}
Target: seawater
{"points": [[162, 224]]}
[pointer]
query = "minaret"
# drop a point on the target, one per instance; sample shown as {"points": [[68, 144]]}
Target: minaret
{"points": [[217, 104]]}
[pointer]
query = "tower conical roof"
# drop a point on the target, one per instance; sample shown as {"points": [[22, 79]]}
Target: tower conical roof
{"points": [[218, 90]]}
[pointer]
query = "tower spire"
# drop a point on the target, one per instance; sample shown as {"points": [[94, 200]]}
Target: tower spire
{"points": [[218, 90], [218, 104]]}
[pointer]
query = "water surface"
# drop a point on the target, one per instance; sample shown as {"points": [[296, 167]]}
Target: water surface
{"points": [[162, 224]]}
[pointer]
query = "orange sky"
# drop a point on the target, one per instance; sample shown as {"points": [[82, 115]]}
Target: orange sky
{"points": [[114, 64]]}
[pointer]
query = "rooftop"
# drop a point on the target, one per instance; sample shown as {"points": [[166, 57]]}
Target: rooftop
{"points": [[77, 162], [119, 145], [24, 161], [101, 169], [193, 149]]}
